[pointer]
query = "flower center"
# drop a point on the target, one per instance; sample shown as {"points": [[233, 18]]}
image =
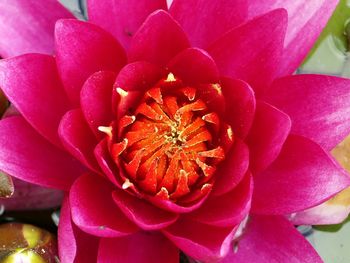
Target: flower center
{"points": [[170, 146]]}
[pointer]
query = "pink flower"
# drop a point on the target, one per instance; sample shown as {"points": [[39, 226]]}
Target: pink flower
{"points": [[168, 129]]}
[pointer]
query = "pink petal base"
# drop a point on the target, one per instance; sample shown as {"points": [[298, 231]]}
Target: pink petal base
{"points": [[145, 247]]}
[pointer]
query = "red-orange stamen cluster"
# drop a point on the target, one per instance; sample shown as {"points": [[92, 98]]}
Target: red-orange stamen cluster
{"points": [[170, 145]]}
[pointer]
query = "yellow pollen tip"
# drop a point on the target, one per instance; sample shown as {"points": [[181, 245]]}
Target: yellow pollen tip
{"points": [[121, 92], [230, 133], [170, 78], [127, 184], [106, 129], [217, 87]]}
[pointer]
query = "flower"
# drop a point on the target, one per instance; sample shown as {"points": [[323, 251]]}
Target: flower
{"points": [[178, 130]]}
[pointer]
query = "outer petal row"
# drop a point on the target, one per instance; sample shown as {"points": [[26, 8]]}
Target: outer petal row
{"points": [[31, 82], [272, 239], [122, 18], [158, 40], [302, 30], [83, 49], [319, 106], [248, 52], [303, 175], [205, 21], [28, 156], [28, 26]]}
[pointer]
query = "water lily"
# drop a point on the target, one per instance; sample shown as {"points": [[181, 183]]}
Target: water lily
{"points": [[175, 129]]}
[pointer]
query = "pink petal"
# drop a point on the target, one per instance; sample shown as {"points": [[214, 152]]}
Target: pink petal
{"points": [[205, 21], [319, 106], [28, 196], [96, 102], [122, 18], [78, 138], [327, 213], [272, 239], [145, 247], [138, 76], [106, 162], [28, 26], [321, 215], [73, 244], [32, 84], [302, 30], [267, 135], [232, 169], [228, 209], [304, 175], [143, 214], [194, 66], [200, 241], [93, 209], [10, 111], [176, 208], [240, 106], [252, 52], [28, 156], [83, 49], [135, 78], [158, 40]]}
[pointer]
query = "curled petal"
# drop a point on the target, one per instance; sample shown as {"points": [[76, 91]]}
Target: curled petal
{"points": [[41, 98], [106, 162], [234, 60], [143, 214], [83, 49], [267, 135], [303, 176], [180, 208], [211, 19], [240, 105], [232, 170], [194, 66], [28, 156], [145, 247], [138, 76], [95, 100], [132, 81], [74, 245], [272, 239], [122, 18], [200, 241], [28, 26], [158, 40], [319, 106], [93, 209], [78, 138], [228, 209]]}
